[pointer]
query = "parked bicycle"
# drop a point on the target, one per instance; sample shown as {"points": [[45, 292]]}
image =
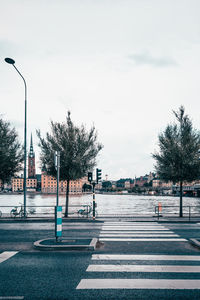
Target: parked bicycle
{"points": [[18, 211], [87, 211]]}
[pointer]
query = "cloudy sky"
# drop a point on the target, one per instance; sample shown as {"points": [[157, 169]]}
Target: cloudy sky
{"points": [[122, 65]]}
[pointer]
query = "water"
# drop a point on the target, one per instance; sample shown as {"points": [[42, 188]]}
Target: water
{"points": [[106, 204]]}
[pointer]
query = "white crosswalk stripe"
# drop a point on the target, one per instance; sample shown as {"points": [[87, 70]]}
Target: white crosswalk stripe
{"points": [[6, 255], [143, 257], [143, 268], [142, 239], [138, 234], [139, 284]]}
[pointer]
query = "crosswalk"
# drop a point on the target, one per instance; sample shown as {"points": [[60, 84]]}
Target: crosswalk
{"points": [[136, 231], [142, 264], [6, 255], [121, 271]]}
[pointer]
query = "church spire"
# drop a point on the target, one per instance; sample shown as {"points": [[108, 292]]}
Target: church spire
{"points": [[31, 160], [31, 153]]}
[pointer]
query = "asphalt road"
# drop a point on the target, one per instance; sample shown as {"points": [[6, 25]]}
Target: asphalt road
{"points": [[140, 269]]}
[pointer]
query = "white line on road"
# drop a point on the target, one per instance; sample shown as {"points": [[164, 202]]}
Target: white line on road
{"points": [[122, 234], [132, 228], [139, 284], [145, 257], [134, 231], [12, 297], [143, 268], [6, 255], [132, 223], [142, 240]]}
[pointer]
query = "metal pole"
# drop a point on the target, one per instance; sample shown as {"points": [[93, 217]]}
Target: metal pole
{"points": [[25, 138], [58, 175], [189, 213], [93, 184]]}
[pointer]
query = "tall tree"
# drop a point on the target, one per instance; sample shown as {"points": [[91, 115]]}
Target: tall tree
{"points": [[78, 151], [11, 152], [178, 157]]}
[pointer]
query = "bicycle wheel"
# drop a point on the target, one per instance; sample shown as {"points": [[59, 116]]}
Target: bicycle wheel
{"points": [[22, 214], [13, 213]]}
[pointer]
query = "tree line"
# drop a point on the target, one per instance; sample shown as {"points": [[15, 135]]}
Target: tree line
{"points": [[177, 158]]}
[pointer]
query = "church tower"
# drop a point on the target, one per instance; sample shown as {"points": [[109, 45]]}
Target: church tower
{"points": [[31, 161]]}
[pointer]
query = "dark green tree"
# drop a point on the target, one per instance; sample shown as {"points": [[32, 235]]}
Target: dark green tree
{"points": [[178, 157], [78, 151], [11, 151], [106, 185], [86, 187]]}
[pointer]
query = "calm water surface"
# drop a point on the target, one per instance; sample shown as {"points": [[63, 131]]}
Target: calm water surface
{"points": [[106, 204]]}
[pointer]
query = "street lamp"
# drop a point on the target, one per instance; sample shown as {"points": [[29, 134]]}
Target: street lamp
{"points": [[12, 62]]}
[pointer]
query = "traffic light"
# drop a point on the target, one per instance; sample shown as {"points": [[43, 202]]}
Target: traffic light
{"points": [[98, 175], [90, 177]]}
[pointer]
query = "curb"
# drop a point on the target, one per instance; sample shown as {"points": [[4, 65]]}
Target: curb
{"points": [[91, 247], [46, 220]]}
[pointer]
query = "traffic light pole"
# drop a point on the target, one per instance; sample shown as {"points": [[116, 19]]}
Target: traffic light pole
{"points": [[90, 177], [94, 203]]}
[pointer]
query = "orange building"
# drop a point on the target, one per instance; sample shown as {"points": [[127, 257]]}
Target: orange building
{"points": [[18, 184], [49, 185]]}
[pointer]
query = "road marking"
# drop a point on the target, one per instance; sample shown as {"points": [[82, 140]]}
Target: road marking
{"points": [[143, 268], [12, 297], [132, 228], [145, 257], [6, 255], [139, 284], [134, 231], [137, 235], [142, 240], [133, 223]]}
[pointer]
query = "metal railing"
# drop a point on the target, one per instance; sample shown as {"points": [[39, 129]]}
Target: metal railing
{"points": [[173, 210], [32, 211]]}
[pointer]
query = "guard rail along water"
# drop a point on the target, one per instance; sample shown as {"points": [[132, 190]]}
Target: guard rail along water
{"points": [[173, 210], [17, 211]]}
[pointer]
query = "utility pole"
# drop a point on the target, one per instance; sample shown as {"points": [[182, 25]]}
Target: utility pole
{"points": [[58, 209]]}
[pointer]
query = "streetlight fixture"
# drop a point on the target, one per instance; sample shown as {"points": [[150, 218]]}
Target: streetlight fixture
{"points": [[12, 62]]}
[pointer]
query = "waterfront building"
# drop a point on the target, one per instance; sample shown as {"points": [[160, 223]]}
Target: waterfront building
{"points": [[127, 184], [140, 181], [49, 185], [158, 183], [17, 184]]}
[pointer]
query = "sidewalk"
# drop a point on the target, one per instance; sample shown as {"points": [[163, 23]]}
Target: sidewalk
{"points": [[161, 219]]}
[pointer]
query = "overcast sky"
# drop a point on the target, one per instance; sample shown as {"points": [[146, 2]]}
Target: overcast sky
{"points": [[122, 65]]}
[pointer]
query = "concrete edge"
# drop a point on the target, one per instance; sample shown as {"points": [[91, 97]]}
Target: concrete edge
{"points": [[39, 220], [195, 242], [39, 246]]}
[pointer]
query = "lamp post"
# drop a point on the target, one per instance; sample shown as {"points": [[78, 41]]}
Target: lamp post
{"points": [[12, 62]]}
